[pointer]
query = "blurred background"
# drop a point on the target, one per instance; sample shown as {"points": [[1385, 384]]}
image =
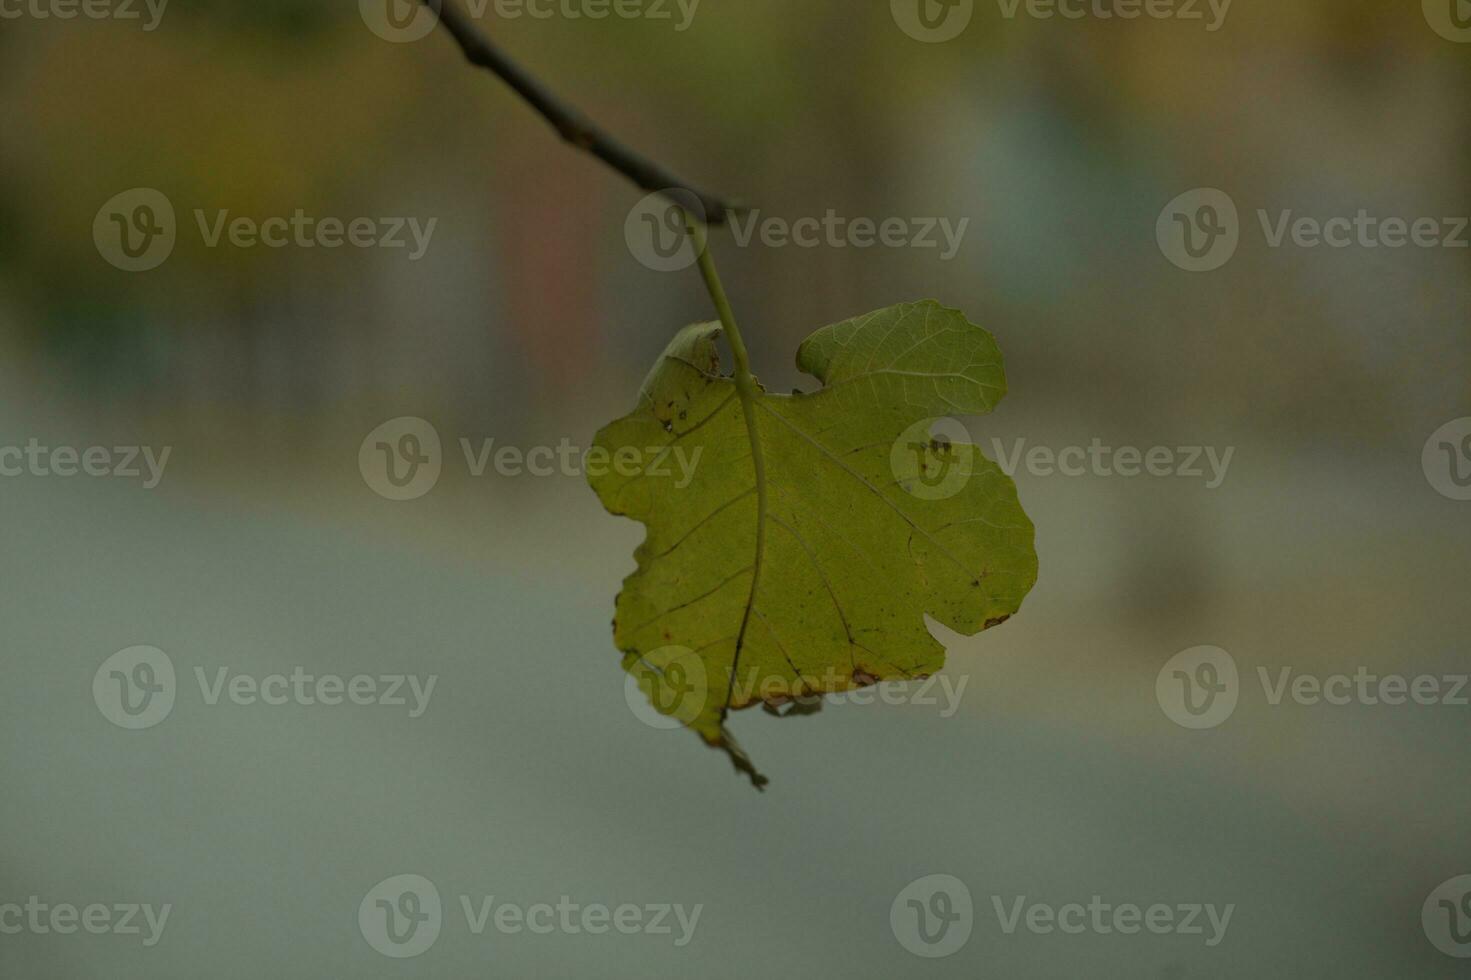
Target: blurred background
{"points": [[530, 319]]}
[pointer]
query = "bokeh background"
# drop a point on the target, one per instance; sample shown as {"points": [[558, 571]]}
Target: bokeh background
{"points": [[530, 320]]}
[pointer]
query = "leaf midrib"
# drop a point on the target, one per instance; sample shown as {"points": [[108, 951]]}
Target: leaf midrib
{"points": [[749, 391]]}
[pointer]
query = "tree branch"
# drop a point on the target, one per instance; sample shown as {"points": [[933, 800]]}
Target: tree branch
{"points": [[568, 122]]}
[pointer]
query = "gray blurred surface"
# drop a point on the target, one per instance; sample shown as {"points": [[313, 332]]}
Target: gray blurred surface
{"points": [[528, 778]]}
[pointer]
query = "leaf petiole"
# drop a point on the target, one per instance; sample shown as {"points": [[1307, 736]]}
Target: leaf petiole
{"points": [[700, 236]]}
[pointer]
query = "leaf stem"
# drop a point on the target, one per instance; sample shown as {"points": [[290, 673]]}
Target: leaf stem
{"points": [[701, 238]]}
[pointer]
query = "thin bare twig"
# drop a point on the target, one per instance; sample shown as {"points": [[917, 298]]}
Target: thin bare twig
{"points": [[568, 122]]}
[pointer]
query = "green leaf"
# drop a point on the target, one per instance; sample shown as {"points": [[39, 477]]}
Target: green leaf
{"points": [[815, 575]]}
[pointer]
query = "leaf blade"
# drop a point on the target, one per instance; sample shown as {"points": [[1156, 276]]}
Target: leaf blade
{"points": [[817, 578]]}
